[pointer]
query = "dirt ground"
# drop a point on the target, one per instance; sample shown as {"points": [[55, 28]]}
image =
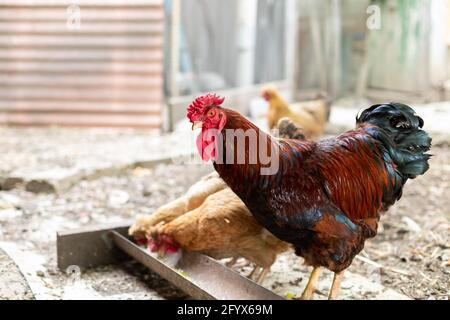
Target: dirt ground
{"points": [[411, 253], [30, 222], [14, 285]]}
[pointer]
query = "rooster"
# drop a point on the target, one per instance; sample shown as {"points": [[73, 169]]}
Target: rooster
{"points": [[311, 115], [325, 197]]}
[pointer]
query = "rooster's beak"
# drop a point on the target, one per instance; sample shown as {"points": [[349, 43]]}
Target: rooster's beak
{"points": [[197, 124]]}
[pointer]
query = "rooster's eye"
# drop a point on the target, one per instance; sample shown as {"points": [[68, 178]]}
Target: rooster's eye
{"points": [[211, 113]]}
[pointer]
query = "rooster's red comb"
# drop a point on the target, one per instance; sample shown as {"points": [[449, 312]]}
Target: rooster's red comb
{"points": [[200, 104]]}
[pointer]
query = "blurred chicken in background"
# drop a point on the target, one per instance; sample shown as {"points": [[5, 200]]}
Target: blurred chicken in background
{"points": [[311, 115]]}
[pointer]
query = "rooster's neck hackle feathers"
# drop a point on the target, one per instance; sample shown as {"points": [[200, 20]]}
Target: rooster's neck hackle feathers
{"points": [[234, 174]]}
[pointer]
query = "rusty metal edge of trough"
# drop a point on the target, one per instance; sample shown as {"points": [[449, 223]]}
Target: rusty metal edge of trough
{"points": [[88, 247], [160, 268], [244, 288], [95, 246]]}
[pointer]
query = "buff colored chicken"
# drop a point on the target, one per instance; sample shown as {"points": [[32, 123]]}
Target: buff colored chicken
{"points": [[212, 220], [221, 227], [311, 116], [193, 198]]}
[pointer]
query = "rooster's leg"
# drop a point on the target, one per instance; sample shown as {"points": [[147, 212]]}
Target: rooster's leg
{"points": [[262, 275], [336, 286], [310, 287]]}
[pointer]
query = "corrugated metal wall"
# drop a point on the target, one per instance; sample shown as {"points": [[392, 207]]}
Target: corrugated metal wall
{"points": [[106, 72]]}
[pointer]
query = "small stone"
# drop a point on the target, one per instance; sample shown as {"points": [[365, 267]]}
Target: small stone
{"points": [[430, 267], [118, 198], [412, 225], [8, 214], [52, 272], [141, 172], [40, 273], [12, 183], [11, 199], [415, 258], [84, 219], [5, 205], [29, 208], [40, 186]]}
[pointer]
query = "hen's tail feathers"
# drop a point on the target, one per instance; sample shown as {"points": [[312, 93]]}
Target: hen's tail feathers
{"points": [[328, 103], [402, 135], [289, 130]]}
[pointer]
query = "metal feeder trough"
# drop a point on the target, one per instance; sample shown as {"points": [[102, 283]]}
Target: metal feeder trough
{"points": [[201, 278]]}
